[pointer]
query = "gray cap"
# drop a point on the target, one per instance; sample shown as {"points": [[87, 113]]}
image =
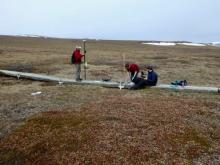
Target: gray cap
{"points": [[149, 67]]}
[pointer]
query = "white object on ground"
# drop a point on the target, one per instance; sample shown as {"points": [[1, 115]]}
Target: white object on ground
{"points": [[36, 93], [60, 82], [18, 76], [121, 86]]}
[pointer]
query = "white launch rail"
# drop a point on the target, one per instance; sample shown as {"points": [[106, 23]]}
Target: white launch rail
{"points": [[39, 77]]}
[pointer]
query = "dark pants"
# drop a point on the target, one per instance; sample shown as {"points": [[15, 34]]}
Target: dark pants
{"points": [[140, 83], [135, 77]]}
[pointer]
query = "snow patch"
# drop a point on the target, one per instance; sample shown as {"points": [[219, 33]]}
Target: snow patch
{"points": [[215, 43], [191, 44], [173, 43], [160, 43], [31, 36]]}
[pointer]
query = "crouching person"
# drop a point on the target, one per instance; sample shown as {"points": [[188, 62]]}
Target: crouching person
{"points": [[150, 80], [133, 70]]}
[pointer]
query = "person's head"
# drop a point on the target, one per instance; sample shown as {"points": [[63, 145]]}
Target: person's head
{"points": [[149, 68], [78, 47], [127, 66]]}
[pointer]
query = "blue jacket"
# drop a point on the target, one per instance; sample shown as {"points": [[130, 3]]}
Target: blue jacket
{"points": [[152, 77]]}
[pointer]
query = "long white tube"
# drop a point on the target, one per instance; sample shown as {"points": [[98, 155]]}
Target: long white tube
{"points": [[120, 85], [192, 88]]}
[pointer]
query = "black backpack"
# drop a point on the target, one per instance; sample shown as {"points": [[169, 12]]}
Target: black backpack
{"points": [[73, 58], [180, 83]]}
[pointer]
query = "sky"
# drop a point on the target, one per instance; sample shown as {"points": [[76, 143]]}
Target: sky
{"points": [[164, 20]]}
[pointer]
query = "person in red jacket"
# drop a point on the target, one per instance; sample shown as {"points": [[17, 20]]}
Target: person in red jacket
{"points": [[133, 69], [77, 56]]}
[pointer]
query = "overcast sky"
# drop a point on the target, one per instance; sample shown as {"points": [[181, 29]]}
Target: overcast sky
{"points": [[191, 20]]}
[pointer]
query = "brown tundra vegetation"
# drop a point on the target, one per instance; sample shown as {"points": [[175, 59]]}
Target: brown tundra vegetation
{"points": [[73, 124]]}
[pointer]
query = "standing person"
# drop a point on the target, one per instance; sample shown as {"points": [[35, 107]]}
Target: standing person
{"points": [[133, 69], [77, 60], [151, 79]]}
